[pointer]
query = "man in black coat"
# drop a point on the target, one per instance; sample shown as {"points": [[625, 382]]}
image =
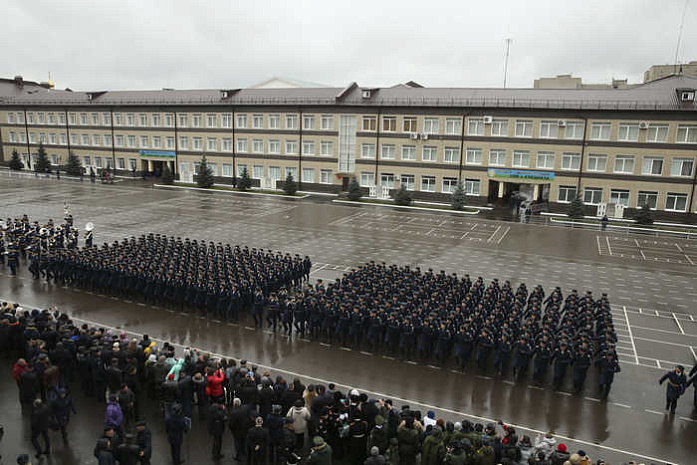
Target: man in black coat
{"points": [[176, 426], [239, 423], [216, 427], [40, 419], [30, 387], [676, 387], [144, 441], [257, 443], [128, 452]]}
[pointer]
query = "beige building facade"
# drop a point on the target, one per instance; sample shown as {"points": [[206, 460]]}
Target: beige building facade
{"points": [[626, 146]]}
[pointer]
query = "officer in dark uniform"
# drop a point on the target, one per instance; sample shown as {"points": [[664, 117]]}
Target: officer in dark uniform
{"points": [[675, 388]]}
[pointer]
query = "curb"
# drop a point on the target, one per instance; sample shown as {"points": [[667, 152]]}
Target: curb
{"points": [[219, 191], [404, 207]]}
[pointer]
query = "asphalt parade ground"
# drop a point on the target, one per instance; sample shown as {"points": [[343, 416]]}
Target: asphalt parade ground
{"points": [[651, 285]]}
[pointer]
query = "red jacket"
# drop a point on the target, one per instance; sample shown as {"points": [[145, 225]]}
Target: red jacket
{"points": [[17, 371], [214, 386]]}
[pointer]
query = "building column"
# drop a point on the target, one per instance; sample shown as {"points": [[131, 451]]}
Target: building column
{"points": [[500, 189], [150, 167], [535, 191]]}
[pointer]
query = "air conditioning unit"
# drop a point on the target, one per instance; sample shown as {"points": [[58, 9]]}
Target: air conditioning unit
{"points": [[488, 119], [414, 136], [561, 123], [424, 136], [644, 125], [366, 94]]}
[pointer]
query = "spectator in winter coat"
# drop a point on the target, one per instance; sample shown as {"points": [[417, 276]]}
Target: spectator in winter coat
{"points": [[114, 415], [17, 370], [62, 406], [214, 386], [433, 450], [545, 444], [321, 453], [144, 441], [375, 457], [559, 456], [408, 438], [239, 423], [128, 452], [216, 427], [104, 452], [40, 418], [257, 443], [176, 426], [300, 416]]}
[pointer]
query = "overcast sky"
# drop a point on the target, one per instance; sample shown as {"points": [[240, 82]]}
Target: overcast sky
{"points": [[144, 44]]}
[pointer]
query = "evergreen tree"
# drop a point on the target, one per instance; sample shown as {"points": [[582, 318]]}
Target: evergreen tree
{"points": [[167, 175], [73, 168], [458, 200], [575, 210], [644, 216], [403, 196], [290, 187], [205, 174], [245, 182], [16, 162], [354, 190], [42, 164]]}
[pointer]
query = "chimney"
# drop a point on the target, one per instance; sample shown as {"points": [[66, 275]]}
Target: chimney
{"points": [[19, 80]]}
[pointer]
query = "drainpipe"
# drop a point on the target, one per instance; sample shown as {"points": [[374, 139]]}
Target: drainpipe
{"points": [[234, 147], [692, 196], [175, 171], [583, 153], [67, 131], [26, 131], [113, 149], [377, 146], [300, 149], [462, 148]]}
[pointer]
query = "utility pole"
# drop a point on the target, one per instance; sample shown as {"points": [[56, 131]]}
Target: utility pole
{"points": [[505, 64], [677, 46]]}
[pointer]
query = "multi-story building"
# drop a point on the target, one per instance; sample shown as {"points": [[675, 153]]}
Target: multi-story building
{"points": [[660, 71], [626, 146]]}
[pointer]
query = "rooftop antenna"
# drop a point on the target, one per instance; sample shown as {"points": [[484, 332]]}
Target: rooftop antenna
{"points": [[505, 64], [677, 46]]}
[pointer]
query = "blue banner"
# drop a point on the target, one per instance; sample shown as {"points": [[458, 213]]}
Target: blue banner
{"points": [[520, 174], [157, 153]]}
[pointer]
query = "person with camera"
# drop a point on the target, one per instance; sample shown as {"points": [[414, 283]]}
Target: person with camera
{"points": [[408, 436]]}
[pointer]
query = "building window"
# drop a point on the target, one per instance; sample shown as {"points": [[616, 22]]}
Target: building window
{"points": [[211, 121], [291, 147], [292, 171], [676, 202], [242, 145], [449, 185], [549, 129], [40, 117], [132, 163], [499, 127], [428, 183], [475, 126], [387, 152], [326, 148], [183, 142], [98, 162], [156, 142], [212, 144], [308, 147], [389, 124], [257, 171], [63, 139], [130, 119], [214, 168], [521, 159], [600, 131], [258, 146], [387, 180], [120, 163], [451, 155], [54, 159], [325, 176], [308, 122], [95, 139], [275, 146], [131, 141], [226, 120], [545, 160], [409, 124], [156, 120], [429, 153], [275, 173], [240, 169], [647, 198], [12, 136], [566, 194], [61, 119], [10, 117], [72, 117], [142, 119], [408, 181], [118, 119], [368, 151], [169, 120], [686, 134], [226, 170], [592, 195], [94, 117], [83, 119], [308, 175], [143, 141], [523, 128], [197, 143], [682, 166], [74, 139], [370, 123], [258, 121], [274, 121], [85, 139], [474, 157], [23, 137], [431, 126], [624, 164], [119, 140], [628, 132], [453, 126], [657, 133], [86, 161], [367, 179], [52, 118], [497, 157], [597, 163], [472, 186], [52, 138], [291, 121], [195, 121], [652, 166], [327, 123], [571, 161], [619, 196], [107, 140], [242, 121], [226, 144]]}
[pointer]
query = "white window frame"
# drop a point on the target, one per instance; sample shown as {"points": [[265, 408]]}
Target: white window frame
{"points": [[473, 156], [523, 128], [367, 179], [274, 146], [499, 127], [451, 155], [410, 125], [291, 147], [448, 185], [521, 159], [308, 175], [628, 132], [566, 191], [196, 120], [257, 121], [570, 161], [291, 121], [549, 130], [453, 126], [226, 120], [472, 187], [475, 126], [596, 195], [156, 119], [648, 197], [620, 196], [257, 145], [325, 176], [274, 121], [657, 133], [183, 143], [326, 148], [327, 122], [595, 160], [369, 123], [309, 122], [429, 153], [211, 120], [387, 152], [431, 125], [408, 181], [368, 150], [429, 182], [211, 144], [624, 159], [601, 131], [389, 124], [545, 157], [688, 136], [242, 146], [497, 152], [241, 122], [649, 163], [677, 166], [309, 147]]}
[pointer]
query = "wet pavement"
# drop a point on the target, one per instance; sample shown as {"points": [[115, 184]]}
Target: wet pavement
{"points": [[652, 306]]}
